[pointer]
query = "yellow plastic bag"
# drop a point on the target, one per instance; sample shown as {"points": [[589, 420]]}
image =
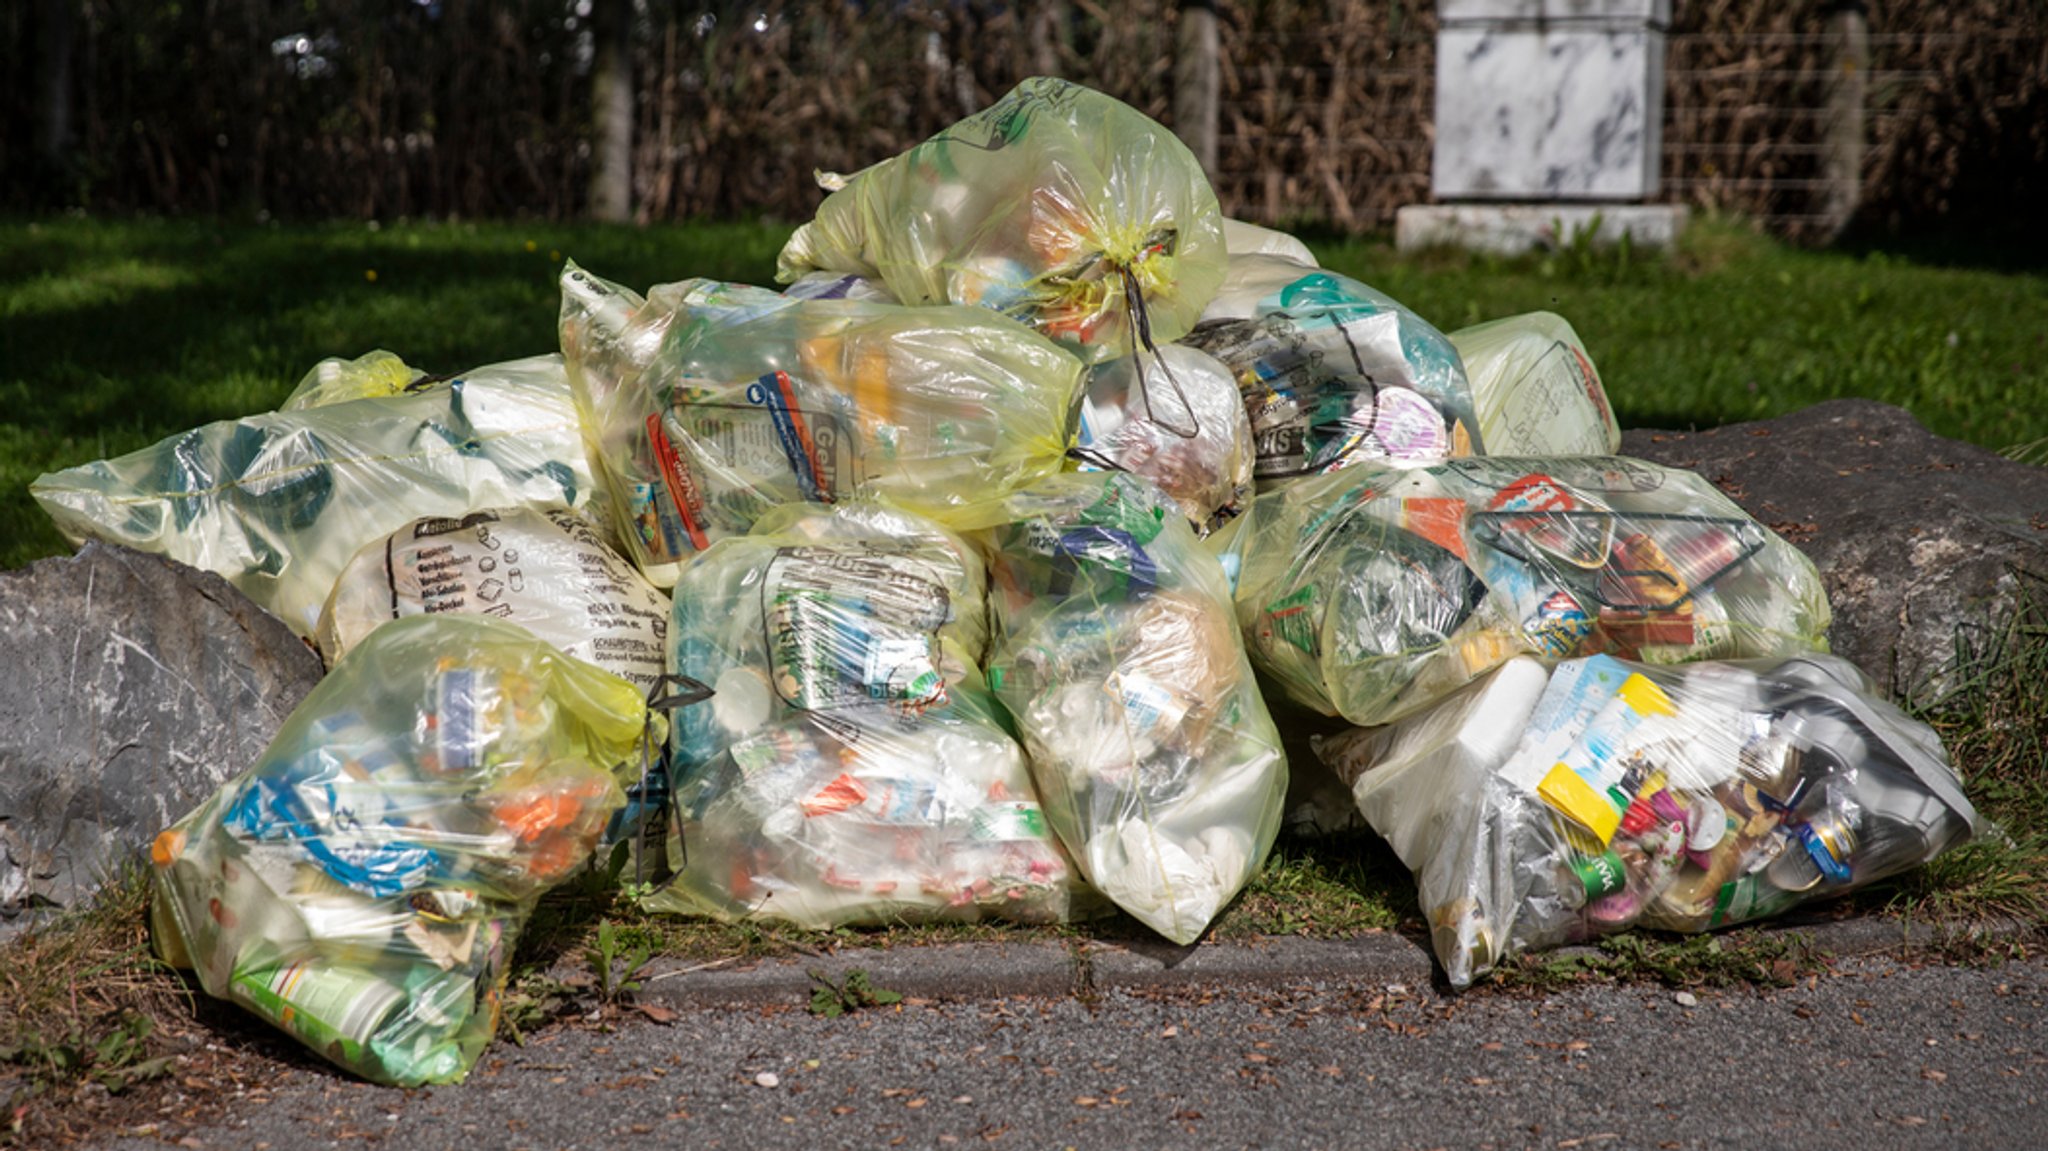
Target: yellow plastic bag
{"points": [[850, 766], [362, 885], [1117, 655], [751, 399], [277, 503], [335, 380], [1374, 592], [1334, 372], [1057, 205], [1243, 239], [1173, 416], [1535, 388]]}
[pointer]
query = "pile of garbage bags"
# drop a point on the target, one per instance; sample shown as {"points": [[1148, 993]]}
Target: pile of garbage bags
{"points": [[981, 543]]}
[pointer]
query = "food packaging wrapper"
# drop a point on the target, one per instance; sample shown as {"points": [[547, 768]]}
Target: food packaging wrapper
{"points": [[545, 569]]}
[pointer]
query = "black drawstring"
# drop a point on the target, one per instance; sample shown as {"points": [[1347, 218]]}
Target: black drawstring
{"points": [[692, 691], [1141, 344], [427, 381]]}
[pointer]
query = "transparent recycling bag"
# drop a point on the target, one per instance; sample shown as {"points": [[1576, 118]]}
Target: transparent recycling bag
{"points": [[335, 380], [1535, 388], [754, 399], [1116, 654], [1335, 373], [361, 886], [278, 503], [1540, 807], [1377, 591], [609, 335], [545, 569], [850, 766], [1174, 417], [1242, 239], [1057, 205]]}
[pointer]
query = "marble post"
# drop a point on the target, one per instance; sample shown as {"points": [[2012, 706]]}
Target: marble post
{"points": [[1549, 118]]}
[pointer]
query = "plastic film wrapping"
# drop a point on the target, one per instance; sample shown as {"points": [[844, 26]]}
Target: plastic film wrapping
{"points": [[278, 503]]}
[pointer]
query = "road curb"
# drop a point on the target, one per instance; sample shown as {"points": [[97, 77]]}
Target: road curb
{"points": [[968, 971], [997, 970]]}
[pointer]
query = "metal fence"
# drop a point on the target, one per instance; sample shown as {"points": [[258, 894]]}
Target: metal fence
{"points": [[461, 107]]}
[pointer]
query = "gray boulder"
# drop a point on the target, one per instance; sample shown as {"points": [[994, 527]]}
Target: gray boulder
{"points": [[134, 686], [1921, 540]]}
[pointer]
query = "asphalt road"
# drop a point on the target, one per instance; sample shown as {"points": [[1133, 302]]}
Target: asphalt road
{"points": [[1875, 1054]]}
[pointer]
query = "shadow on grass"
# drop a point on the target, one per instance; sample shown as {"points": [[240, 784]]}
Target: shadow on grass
{"points": [[2008, 246]]}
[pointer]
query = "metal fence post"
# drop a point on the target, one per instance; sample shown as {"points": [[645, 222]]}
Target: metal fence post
{"points": [[1196, 78], [1842, 169]]}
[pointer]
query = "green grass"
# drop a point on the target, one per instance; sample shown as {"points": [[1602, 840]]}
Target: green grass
{"points": [[118, 334], [1737, 327], [1994, 722], [1747, 956]]}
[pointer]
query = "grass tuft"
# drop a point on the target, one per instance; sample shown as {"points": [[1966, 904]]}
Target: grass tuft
{"points": [[1747, 957], [83, 1005], [1321, 889], [1993, 719]]}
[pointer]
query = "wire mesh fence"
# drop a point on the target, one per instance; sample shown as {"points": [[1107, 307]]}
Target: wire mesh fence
{"points": [[467, 108]]}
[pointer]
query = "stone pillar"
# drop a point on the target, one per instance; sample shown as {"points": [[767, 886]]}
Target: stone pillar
{"points": [[1549, 122]]}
